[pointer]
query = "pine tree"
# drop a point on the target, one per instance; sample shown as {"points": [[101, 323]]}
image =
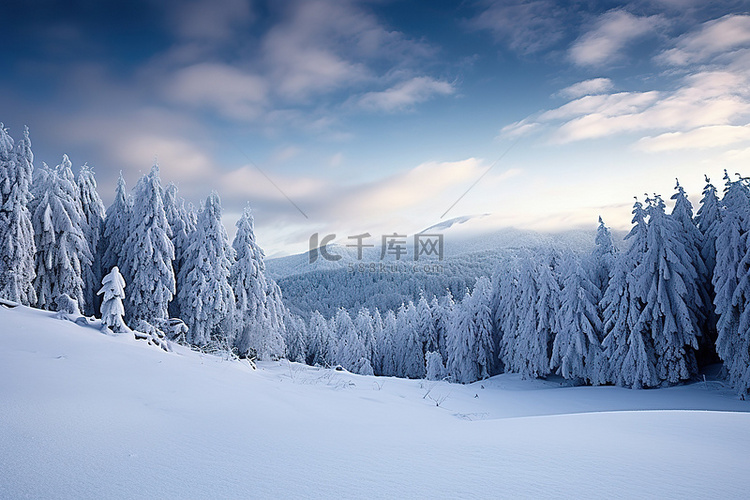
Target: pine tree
{"points": [[576, 351], [116, 228], [182, 227], [603, 257], [462, 363], [258, 302], [426, 326], [112, 309], [434, 366], [17, 246], [408, 344], [295, 338], [538, 303], [730, 282], [708, 219], [631, 360], [320, 333], [148, 254], [91, 224], [350, 350], [206, 295], [692, 239], [387, 347], [62, 251], [507, 313], [665, 280], [482, 323]]}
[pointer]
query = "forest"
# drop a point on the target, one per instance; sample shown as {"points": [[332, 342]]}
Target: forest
{"points": [[676, 298]]}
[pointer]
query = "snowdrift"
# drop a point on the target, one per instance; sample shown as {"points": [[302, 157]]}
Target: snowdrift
{"points": [[86, 415]]}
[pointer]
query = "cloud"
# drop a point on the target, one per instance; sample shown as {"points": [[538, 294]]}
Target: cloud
{"points": [[700, 138], [587, 87], [526, 27], [405, 94], [232, 92], [713, 38], [612, 32], [323, 45], [709, 105]]}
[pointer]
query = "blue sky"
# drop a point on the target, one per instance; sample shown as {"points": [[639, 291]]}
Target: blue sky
{"points": [[375, 116]]}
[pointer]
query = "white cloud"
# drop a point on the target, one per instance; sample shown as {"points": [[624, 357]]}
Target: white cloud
{"points": [[611, 33], [228, 90], [713, 38], [700, 107], [405, 94], [700, 138], [587, 87]]}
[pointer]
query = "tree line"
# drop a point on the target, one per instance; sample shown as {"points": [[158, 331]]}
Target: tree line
{"points": [[677, 296]]}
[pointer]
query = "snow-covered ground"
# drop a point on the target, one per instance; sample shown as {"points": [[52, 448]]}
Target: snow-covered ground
{"points": [[85, 415]]}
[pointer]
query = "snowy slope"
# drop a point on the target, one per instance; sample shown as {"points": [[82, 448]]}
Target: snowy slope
{"points": [[84, 415]]}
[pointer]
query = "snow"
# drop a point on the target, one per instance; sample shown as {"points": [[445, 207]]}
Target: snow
{"points": [[87, 415]]}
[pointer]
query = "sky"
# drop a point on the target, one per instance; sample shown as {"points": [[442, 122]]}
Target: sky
{"points": [[387, 116]]}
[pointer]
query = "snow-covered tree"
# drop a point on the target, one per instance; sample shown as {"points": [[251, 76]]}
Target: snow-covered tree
{"points": [[707, 219], [148, 254], [426, 326], [62, 250], [295, 338], [507, 312], [664, 281], [116, 228], [731, 285], [350, 351], [408, 344], [462, 363], [258, 302], [692, 239], [603, 257], [321, 346], [181, 226], [630, 353], [17, 246], [112, 309], [91, 224], [434, 369], [538, 303], [576, 351], [386, 347], [206, 295]]}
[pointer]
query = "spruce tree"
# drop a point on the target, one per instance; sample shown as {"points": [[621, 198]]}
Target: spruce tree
{"points": [[576, 351], [730, 282], [603, 257], [116, 228], [206, 295], [148, 254], [631, 360], [62, 250], [181, 227], [665, 283], [112, 309], [17, 246], [91, 224], [258, 305]]}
